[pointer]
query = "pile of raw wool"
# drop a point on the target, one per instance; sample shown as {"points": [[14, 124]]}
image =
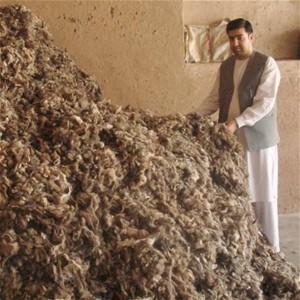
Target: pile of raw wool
{"points": [[103, 202]]}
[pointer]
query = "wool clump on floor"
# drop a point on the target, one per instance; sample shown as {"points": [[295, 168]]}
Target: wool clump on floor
{"points": [[99, 201]]}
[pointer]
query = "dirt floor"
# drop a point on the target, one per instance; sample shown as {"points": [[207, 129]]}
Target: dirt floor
{"points": [[289, 230]]}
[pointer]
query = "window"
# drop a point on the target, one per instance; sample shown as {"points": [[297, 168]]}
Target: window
{"points": [[204, 43]]}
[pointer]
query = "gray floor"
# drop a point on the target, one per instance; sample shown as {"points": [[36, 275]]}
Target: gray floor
{"points": [[289, 234]]}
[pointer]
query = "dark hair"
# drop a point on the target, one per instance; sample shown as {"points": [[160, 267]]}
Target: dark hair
{"points": [[239, 23]]}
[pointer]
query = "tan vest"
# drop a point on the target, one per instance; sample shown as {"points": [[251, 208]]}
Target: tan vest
{"points": [[264, 133]]}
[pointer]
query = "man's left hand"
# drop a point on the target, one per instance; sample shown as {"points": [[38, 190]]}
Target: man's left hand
{"points": [[232, 125]]}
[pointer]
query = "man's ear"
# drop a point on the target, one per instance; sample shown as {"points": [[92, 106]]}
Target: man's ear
{"points": [[251, 36]]}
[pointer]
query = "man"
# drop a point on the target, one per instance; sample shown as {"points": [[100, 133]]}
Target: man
{"points": [[244, 92]]}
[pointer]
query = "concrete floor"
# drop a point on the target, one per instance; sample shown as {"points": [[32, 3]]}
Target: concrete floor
{"points": [[289, 234]]}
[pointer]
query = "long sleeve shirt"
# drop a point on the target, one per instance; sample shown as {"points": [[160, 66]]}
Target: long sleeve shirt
{"points": [[263, 101]]}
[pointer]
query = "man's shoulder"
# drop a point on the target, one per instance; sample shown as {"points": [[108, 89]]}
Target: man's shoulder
{"points": [[260, 55], [264, 58], [267, 62], [228, 60], [256, 54]]}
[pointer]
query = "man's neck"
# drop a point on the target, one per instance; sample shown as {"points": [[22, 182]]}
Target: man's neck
{"points": [[246, 56]]}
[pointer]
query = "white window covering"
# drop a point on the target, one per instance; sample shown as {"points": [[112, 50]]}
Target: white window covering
{"points": [[197, 44], [204, 43]]}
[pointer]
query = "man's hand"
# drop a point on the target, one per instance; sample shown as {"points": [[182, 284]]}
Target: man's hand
{"points": [[232, 125]]}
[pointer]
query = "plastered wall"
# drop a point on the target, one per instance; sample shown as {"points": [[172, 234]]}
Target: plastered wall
{"points": [[276, 23], [135, 50]]}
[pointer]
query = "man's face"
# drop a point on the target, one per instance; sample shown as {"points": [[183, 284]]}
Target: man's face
{"points": [[241, 42]]}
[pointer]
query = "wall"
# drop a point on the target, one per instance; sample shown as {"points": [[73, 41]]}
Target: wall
{"points": [[135, 50], [275, 23]]}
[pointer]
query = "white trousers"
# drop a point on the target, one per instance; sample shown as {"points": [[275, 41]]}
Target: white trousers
{"points": [[263, 185]]}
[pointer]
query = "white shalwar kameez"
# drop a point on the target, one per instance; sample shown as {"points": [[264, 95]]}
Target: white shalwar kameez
{"points": [[262, 164]]}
